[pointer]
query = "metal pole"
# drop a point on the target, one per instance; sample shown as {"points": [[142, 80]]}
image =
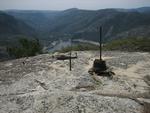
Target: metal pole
{"points": [[100, 43], [70, 52]]}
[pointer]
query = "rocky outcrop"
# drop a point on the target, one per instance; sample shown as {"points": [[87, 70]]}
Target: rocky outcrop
{"points": [[42, 84]]}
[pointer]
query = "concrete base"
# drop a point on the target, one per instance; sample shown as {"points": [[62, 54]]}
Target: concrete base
{"points": [[99, 65], [100, 68]]}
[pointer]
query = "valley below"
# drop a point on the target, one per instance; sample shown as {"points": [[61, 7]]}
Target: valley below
{"points": [[42, 84], [60, 44]]}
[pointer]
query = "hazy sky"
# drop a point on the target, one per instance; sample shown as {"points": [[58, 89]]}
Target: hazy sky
{"points": [[65, 4]]}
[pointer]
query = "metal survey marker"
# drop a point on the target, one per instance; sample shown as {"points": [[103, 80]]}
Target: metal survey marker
{"points": [[99, 65]]}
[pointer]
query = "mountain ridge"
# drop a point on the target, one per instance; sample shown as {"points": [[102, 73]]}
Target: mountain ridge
{"points": [[12, 28], [80, 23], [77, 22]]}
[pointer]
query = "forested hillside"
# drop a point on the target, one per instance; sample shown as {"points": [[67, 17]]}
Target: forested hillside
{"points": [[11, 28], [117, 23]]}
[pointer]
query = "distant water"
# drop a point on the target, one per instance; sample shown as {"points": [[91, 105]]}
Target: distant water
{"points": [[58, 45]]}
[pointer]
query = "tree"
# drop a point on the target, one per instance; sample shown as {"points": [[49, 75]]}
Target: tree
{"points": [[25, 48]]}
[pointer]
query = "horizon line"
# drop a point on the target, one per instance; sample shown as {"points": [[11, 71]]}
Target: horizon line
{"points": [[70, 8]]}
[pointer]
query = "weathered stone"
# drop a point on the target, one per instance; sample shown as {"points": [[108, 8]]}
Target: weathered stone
{"points": [[44, 85]]}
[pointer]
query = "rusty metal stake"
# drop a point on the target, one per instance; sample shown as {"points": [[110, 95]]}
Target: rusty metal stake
{"points": [[70, 54], [100, 43], [70, 61]]}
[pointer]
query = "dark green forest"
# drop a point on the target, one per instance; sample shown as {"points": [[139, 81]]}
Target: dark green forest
{"points": [[25, 48]]}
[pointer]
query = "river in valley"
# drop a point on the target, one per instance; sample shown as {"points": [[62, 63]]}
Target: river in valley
{"points": [[58, 45]]}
